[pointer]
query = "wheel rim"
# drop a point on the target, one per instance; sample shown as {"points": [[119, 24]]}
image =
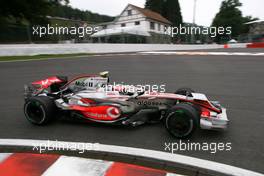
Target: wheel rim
{"points": [[179, 123], [34, 112]]}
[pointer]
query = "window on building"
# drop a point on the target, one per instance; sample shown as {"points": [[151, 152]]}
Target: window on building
{"points": [[123, 25], [152, 25], [137, 23], [165, 28], [159, 27], [129, 12]]}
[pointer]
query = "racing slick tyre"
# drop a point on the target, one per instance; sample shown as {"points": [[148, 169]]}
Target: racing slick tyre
{"points": [[185, 91], [39, 110], [188, 92], [182, 120]]}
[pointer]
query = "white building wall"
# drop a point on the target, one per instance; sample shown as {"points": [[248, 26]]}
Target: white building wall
{"points": [[129, 21], [134, 15], [146, 24], [156, 30]]}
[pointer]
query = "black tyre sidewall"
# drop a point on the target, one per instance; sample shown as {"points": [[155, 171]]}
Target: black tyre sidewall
{"points": [[46, 104], [191, 113]]}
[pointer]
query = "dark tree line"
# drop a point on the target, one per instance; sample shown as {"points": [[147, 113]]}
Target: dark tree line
{"points": [[169, 9], [73, 13], [35, 11]]}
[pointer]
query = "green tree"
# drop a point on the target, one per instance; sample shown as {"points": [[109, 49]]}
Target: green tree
{"points": [[34, 11], [155, 5], [172, 11], [66, 11], [229, 15]]}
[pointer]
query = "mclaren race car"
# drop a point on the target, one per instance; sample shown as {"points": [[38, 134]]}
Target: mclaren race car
{"points": [[91, 98]]}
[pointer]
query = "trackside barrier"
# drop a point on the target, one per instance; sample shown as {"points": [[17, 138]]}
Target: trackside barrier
{"points": [[237, 45], [256, 45], [175, 163], [244, 45], [36, 49]]}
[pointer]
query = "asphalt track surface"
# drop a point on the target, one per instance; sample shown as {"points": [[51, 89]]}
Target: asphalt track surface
{"points": [[236, 81]]}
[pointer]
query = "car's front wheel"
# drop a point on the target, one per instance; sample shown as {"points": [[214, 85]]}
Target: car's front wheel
{"points": [[39, 110], [182, 120]]}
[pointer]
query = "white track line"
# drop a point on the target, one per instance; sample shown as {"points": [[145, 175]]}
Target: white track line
{"points": [[194, 53], [3, 156], [191, 162]]}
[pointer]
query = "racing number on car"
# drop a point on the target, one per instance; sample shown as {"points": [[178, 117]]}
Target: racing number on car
{"points": [[90, 84]]}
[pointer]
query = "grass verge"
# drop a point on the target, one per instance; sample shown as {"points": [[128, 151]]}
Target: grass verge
{"points": [[41, 56]]}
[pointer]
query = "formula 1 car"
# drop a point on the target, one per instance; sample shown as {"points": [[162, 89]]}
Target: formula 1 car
{"points": [[92, 98]]}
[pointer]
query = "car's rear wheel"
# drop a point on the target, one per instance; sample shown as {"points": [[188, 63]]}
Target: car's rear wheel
{"points": [[39, 110], [182, 120]]}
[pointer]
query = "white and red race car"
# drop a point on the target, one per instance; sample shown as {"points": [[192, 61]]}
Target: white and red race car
{"points": [[89, 98]]}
